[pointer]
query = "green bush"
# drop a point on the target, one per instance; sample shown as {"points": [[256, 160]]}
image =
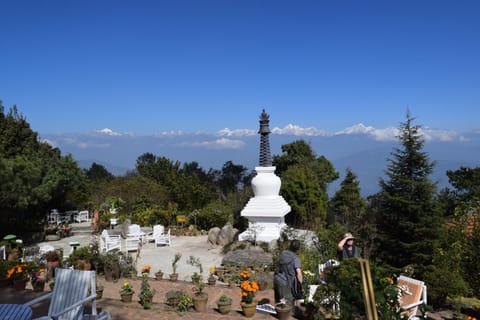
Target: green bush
{"points": [[344, 287]]}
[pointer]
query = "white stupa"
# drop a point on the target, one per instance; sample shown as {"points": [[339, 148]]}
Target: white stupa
{"points": [[267, 209]]}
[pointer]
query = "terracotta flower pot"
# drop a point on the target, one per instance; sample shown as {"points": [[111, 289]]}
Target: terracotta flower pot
{"points": [[173, 276], [283, 313], [126, 297], [224, 307], [159, 275], [38, 286], [20, 285], [249, 309], [200, 302]]}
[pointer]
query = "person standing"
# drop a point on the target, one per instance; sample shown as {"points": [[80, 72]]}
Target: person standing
{"points": [[288, 278], [346, 249]]}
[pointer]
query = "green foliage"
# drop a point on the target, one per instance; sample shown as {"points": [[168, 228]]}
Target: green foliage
{"points": [[344, 287], [146, 294], [215, 214], [471, 261], [409, 217], [195, 262], [37, 173], [98, 173], [81, 253], [305, 178], [347, 204], [466, 181]]}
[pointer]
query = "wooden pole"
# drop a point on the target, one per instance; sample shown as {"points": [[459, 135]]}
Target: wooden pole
{"points": [[368, 292]]}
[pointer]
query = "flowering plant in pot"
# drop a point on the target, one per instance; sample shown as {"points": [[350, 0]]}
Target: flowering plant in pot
{"points": [[248, 291], [126, 292], [146, 294], [249, 287], [37, 279], [211, 278]]}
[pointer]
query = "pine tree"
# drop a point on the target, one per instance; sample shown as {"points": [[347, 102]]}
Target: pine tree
{"points": [[350, 210], [408, 222]]}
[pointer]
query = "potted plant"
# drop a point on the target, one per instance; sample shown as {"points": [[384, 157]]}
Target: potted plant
{"points": [[159, 274], [283, 309], [185, 302], [173, 297], [38, 280], [19, 275], [174, 274], [146, 294], [224, 304], [81, 259], [111, 266], [126, 292], [200, 298], [195, 262], [211, 278], [249, 290]]}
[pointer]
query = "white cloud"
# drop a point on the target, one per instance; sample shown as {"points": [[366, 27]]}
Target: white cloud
{"points": [[291, 129], [440, 135], [237, 132], [109, 132], [222, 143]]}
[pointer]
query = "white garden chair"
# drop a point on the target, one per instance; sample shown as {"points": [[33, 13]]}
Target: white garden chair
{"points": [[69, 296], [110, 242]]}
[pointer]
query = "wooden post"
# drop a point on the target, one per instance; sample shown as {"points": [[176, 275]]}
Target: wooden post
{"points": [[368, 292]]}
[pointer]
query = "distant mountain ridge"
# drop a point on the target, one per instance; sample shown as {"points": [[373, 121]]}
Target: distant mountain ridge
{"points": [[364, 149]]}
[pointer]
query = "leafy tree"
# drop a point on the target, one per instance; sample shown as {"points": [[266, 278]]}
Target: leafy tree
{"points": [[408, 221], [305, 178], [301, 191], [98, 173], [466, 182], [35, 177]]}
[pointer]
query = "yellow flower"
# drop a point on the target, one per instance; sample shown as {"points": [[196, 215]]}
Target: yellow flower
{"points": [[212, 270]]}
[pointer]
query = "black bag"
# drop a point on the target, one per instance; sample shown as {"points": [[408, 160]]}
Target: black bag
{"points": [[297, 290]]}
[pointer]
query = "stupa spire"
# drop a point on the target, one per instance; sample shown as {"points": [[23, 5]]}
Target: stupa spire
{"points": [[264, 131]]}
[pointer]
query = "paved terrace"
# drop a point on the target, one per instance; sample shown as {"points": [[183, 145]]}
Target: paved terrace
{"points": [[160, 310], [159, 258]]}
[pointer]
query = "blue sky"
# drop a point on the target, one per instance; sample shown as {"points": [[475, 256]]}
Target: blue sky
{"points": [[151, 66]]}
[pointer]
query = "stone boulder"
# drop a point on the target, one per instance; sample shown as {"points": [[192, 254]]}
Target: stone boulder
{"points": [[213, 235], [248, 257], [226, 235]]}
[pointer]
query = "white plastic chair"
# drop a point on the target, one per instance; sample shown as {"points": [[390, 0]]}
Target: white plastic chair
{"points": [[163, 239], [110, 242], [70, 294], [158, 230], [82, 216]]}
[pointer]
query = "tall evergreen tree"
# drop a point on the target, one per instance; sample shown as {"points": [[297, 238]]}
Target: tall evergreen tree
{"points": [[347, 204], [350, 210], [408, 222]]}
